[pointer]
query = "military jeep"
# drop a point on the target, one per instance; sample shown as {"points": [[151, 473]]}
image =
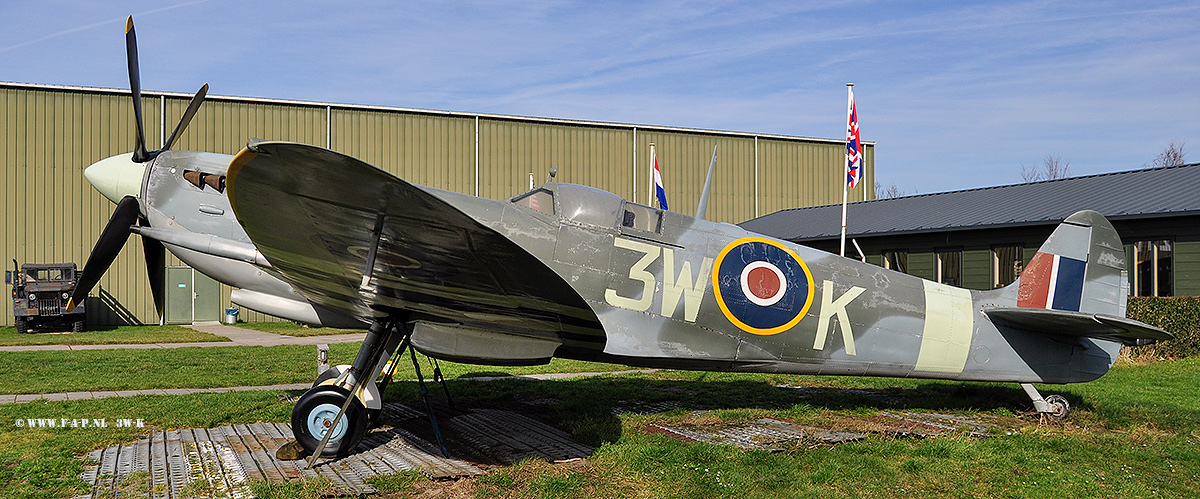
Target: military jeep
{"points": [[40, 292]]}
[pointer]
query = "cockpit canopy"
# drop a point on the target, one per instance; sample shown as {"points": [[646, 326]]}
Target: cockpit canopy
{"points": [[591, 206]]}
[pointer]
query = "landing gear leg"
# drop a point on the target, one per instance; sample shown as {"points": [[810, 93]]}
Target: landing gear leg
{"points": [[1054, 406], [437, 432], [330, 420], [438, 378]]}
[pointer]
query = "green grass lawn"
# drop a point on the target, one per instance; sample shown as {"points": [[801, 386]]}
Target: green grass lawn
{"points": [[109, 336], [211, 367], [1134, 433], [293, 329]]}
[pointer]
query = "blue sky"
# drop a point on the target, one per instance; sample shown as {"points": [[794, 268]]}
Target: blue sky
{"points": [[955, 94]]}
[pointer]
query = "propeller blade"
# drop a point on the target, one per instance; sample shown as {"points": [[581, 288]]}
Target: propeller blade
{"points": [[112, 239], [135, 88], [187, 117], [156, 260]]}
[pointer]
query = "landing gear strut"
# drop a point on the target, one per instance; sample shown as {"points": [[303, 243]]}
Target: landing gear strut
{"points": [[331, 419], [1055, 406]]}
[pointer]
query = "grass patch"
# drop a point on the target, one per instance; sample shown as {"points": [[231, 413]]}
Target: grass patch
{"points": [[212, 367], [396, 482], [191, 367], [1135, 433], [110, 336], [293, 329]]}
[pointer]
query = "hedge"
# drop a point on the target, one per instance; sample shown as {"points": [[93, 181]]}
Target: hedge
{"points": [[1178, 315]]}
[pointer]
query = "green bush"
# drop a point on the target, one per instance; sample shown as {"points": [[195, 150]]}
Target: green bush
{"points": [[1178, 315]]}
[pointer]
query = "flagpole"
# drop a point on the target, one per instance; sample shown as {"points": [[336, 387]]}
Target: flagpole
{"points": [[844, 189], [845, 171], [653, 165]]}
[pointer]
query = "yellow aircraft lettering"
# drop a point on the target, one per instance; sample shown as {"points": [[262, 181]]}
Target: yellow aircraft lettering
{"points": [[674, 288], [637, 272], [830, 307]]}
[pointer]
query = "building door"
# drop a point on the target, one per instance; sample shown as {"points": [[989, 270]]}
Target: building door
{"points": [[191, 297]]}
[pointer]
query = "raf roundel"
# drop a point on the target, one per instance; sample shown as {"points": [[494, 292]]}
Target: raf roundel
{"points": [[762, 286]]}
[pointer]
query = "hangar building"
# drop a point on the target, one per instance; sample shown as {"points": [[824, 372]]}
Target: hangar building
{"points": [[983, 238], [50, 134]]}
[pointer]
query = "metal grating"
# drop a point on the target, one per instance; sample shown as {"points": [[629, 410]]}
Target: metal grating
{"points": [[223, 461]]}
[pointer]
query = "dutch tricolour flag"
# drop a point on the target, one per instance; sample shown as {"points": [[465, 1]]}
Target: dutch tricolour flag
{"points": [[658, 185], [853, 152]]}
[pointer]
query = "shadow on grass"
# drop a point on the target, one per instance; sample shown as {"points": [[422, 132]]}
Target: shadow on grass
{"points": [[588, 408], [483, 374]]}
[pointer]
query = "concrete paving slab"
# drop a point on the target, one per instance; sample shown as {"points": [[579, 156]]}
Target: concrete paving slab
{"points": [[79, 395], [27, 398]]}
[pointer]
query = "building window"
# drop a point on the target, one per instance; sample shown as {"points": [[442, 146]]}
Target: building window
{"points": [[949, 267], [1006, 265], [1153, 268], [896, 260]]}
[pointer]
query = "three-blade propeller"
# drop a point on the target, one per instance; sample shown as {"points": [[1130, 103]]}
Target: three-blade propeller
{"points": [[128, 211]]}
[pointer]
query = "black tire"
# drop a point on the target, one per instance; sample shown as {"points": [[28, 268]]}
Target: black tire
{"points": [[320, 405], [21, 325], [78, 326], [1060, 407]]}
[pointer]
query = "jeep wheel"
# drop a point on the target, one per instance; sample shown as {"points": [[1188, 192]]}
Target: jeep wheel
{"points": [[77, 326], [22, 327]]}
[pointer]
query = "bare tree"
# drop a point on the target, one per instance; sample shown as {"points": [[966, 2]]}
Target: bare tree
{"points": [[1030, 174], [1053, 167], [1173, 155], [891, 191]]}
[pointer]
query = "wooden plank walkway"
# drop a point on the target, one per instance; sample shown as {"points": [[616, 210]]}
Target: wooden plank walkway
{"points": [[222, 461]]}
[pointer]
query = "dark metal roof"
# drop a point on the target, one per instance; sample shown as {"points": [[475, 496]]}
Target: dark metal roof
{"points": [[1154, 192]]}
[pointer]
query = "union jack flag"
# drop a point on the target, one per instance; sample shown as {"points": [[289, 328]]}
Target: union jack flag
{"points": [[853, 152]]}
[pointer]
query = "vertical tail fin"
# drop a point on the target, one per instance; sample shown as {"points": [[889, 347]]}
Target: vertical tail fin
{"points": [[1080, 268]]}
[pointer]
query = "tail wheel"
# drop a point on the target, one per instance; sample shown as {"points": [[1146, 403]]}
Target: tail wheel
{"points": [[1059, 406], [313, 417]]}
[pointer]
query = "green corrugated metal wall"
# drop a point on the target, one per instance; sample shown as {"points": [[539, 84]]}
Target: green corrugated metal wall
{"points": [[50, 134]]}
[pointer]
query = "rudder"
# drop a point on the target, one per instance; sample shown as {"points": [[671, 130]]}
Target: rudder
{"points": [[1080, 268]]}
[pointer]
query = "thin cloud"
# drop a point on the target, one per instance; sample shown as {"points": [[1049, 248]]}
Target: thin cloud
{"points": [[98, 24]]}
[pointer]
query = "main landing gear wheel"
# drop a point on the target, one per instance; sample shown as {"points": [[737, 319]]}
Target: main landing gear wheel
{"points": [[1059, 406], [333, 373], [313, 417]]}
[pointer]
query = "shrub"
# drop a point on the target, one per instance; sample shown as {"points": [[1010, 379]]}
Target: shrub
{"points": [[1178, 315]]}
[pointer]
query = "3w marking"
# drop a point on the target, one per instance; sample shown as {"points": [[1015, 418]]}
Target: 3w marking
{"points": [[675, 286]]}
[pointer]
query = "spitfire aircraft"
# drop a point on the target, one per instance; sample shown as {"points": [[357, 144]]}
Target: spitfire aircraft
{"points": [[571, 271]]}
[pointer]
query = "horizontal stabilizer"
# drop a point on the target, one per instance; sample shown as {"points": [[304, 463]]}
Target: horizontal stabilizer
{"points": [[1102, 326]]}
